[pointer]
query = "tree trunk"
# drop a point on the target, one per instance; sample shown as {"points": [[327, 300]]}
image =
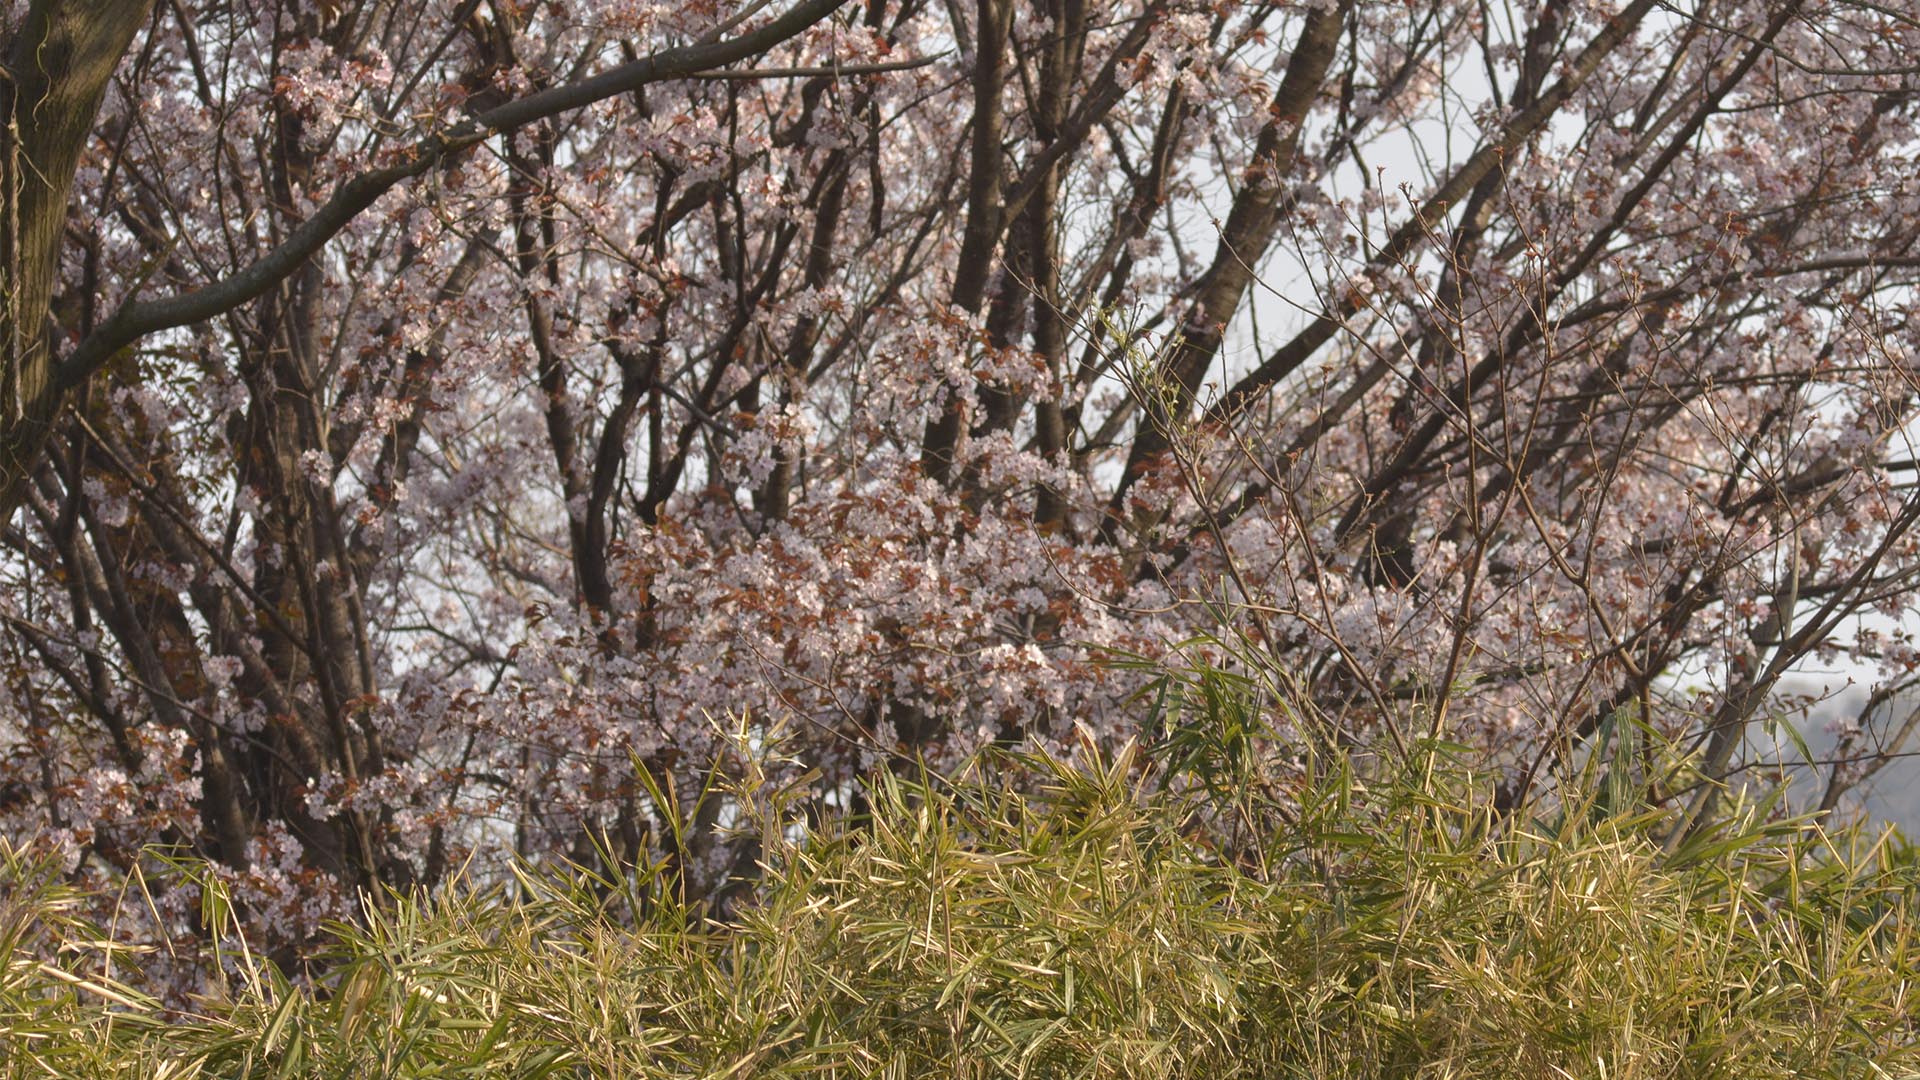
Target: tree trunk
{"points": [[57, 69]]}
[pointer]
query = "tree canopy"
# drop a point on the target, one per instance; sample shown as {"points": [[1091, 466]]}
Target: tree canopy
{"points": [[427, 428]]}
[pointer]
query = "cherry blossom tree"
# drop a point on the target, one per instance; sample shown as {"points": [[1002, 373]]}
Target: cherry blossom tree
{"points": [[437, 432]]}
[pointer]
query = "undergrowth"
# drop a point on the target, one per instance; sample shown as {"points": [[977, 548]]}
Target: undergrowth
{"points": [[1108, 916]]}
